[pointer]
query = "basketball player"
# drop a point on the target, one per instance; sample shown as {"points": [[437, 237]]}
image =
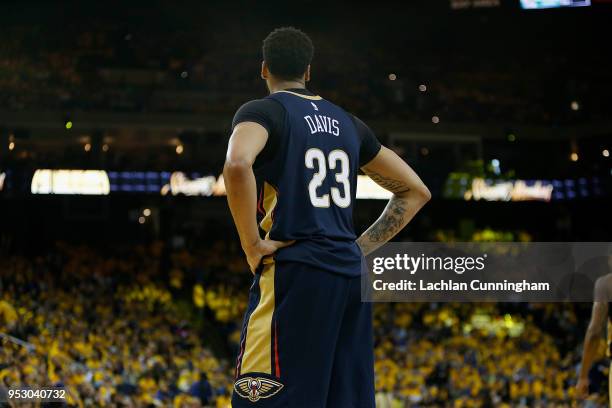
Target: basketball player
{"points": [[599, 317], [307, 338]]}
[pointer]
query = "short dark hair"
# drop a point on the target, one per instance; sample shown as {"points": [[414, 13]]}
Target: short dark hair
{"points": [[287, 52]]}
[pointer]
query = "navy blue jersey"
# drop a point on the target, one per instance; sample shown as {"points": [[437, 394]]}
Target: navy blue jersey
{"points": [[308, 189]]}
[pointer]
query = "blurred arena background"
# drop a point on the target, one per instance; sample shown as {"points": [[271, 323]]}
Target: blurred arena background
{"points": [[121, 276]]}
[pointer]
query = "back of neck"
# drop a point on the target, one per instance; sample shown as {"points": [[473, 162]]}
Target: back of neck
{"points": [[282, 85]]}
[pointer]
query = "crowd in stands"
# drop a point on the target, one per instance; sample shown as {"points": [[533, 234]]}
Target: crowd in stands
{"points": [[101, 66], [104, 326], [466, 355], [137, 325]]}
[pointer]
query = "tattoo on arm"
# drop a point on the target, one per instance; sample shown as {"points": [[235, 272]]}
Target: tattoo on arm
{"points": [[394, 217], [395, 186], [390, 222]]}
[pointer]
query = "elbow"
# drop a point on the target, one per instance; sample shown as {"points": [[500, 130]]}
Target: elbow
{"points": [[235, 168], [423, 194], [419, 194]]}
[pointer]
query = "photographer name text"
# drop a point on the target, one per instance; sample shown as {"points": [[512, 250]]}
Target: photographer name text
{"points": [[448, 285]]}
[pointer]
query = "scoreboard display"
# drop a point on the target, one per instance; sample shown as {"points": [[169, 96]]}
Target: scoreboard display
{"points": [[544, 4]]}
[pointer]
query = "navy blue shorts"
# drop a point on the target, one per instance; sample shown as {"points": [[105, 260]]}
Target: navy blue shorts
{"points": [[306, 341]]}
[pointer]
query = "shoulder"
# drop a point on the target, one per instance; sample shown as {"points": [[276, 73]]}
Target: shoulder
{"points": [[604, 280], [603, 286], [370, 146], [259, 104], [263, 111]]}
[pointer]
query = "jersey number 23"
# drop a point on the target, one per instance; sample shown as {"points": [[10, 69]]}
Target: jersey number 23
{"points": [[337, 161]]}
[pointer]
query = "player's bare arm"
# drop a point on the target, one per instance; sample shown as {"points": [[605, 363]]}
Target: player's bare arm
{"points": [[593, 337], [247, 141], [410, 194]]}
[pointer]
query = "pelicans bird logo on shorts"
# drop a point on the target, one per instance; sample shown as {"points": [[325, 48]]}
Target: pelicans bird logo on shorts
{"points": [[255, 388]]}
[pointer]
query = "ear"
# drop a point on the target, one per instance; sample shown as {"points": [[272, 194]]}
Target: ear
{"points": [[265, 72], [307, 74]]}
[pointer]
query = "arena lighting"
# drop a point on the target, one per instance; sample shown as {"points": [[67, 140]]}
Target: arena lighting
{"points": [[141, 220], [87, 147], [146, 212], [511, 137], [184, 74], [543, 4], [495, 164], [368, 189], [422, 87], [180, 183], [575, 105], [105, 147], [2, 178], [605, 153], [464, 186], [87, 182], [435, 119], [179, 149], [516, 190], [11, 139], [392, 77], [574, 157], [68, 124]]}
